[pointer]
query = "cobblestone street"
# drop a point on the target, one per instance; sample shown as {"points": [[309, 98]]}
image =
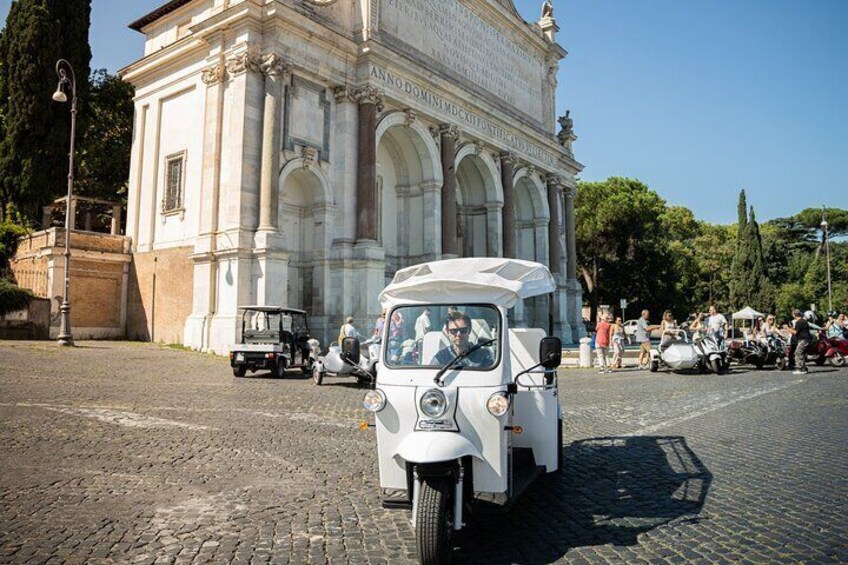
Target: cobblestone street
{"points": [[127, 452]]}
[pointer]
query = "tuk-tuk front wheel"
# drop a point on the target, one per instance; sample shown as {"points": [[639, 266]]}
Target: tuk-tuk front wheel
{"points": [[434, 522]]}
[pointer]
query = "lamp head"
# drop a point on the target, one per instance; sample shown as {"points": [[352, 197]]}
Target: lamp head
{"points": [[59, 95]]}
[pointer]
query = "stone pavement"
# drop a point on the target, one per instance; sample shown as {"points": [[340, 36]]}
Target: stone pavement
{"points": [[125, 452]]}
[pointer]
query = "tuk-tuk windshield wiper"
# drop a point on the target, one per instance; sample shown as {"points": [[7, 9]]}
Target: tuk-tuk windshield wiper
{"points": [[460, 357]]}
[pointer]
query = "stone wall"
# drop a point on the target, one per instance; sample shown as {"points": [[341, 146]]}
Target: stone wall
{"points": [[33, 322], [160, 295]]}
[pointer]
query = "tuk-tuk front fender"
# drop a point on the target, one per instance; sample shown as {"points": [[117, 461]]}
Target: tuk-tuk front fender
{"points": [[435, 447]]}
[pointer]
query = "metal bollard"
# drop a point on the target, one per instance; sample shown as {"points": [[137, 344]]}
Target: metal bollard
{"points": [[585, 353]]}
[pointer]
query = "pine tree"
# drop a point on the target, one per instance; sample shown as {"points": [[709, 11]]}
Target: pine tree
{"points": [[35, 130]]}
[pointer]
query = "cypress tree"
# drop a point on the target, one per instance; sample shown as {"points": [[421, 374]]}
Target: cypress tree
{"points": [[35, 129], [738, 268]]}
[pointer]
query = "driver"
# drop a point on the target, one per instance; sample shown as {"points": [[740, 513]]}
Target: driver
{"points": [[458, 327]]}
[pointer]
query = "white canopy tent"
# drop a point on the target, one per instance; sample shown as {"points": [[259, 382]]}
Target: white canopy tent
{"points": [[747, 313]]}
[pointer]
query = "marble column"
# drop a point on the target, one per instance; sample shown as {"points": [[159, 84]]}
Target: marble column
{"points": [[553, 226], [449, 136], [570, 236], [507, 174], [275, 72], [370, 103]]}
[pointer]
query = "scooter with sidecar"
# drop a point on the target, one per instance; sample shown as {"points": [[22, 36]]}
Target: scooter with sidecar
{"points": [[469, 417]]}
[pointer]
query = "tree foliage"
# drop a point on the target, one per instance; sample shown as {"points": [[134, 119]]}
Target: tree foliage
{"points": [[35, 130], [106, 144]]}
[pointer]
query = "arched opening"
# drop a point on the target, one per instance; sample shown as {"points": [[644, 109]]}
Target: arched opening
{"points": [[408, 188], [531, 243], [478, 230], [302, 224]]}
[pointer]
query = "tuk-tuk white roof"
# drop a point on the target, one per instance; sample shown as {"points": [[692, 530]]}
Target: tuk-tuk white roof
{"points": [[272, 309], [502, 282]]}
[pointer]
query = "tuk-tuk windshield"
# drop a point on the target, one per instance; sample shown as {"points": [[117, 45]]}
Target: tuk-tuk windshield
{"points": [[431, 336], [261, 326]]}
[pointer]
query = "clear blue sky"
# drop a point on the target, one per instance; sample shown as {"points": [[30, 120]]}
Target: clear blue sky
{"points": [[696, 98]]}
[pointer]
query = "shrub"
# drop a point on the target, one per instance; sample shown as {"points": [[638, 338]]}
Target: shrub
{"points": [[13, 297], [9, 234]]}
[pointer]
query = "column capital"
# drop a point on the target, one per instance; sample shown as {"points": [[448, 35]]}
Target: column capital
{"points": [[449, 130], [272, 64], [212, 75], [553, 180], [508, 158], [369, 95], [242, 62]]}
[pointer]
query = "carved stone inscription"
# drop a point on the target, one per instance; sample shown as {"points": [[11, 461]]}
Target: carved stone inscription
{"points": [[456, 37]]}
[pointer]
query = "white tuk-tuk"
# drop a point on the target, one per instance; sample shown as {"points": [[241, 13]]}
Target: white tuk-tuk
{"points": [[465, 407]]}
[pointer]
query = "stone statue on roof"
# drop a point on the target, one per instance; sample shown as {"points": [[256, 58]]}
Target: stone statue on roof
{"points": [[547, 9]]}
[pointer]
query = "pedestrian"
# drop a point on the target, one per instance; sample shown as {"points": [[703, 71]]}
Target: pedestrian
{"points": [[347, 330], [379, 325], [716, 325], [758, 331], [801, 331], [602, 342], [668, 323], [643, 338], [618, 337], [423, 324], [834, 326]]}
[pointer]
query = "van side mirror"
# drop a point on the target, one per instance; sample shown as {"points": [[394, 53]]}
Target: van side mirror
{"points": [[350, 349], [550, 352]]}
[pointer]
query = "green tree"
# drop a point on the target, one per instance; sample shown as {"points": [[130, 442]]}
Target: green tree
{"points": [[740, 254], [106, 145], [620, 244], [35, 130], [713, 250]]}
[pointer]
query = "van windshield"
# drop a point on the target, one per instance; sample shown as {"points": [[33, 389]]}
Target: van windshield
{"points": [[433, 335]]}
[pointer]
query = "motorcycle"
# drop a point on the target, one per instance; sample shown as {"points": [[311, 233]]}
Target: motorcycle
{"points": [[758, 354], [712, 354], [337, 363]]}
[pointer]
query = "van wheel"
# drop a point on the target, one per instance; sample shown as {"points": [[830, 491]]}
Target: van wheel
{"points": [[239, 371], [317, 375], [434, 522]]}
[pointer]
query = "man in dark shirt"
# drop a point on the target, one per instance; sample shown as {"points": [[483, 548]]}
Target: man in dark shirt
{"points": [[801, 330], [458, 326]]}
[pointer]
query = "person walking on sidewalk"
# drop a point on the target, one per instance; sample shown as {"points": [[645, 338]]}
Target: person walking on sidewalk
{"points": [[617, 336], [801, 330], [602, 342], [643, 338]]}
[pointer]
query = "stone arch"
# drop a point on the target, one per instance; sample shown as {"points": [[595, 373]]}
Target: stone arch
{"points": [[479, 203], [303, 216], [532, 218], [409, 179]]}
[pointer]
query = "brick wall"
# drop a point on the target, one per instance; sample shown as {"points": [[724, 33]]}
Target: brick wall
{"points": [[159, 311]]}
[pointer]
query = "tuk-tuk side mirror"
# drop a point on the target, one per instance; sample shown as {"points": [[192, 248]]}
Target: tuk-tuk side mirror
{"points": [[350, 349], [550, 352]]}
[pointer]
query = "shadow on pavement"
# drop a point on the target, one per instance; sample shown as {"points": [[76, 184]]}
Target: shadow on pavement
{"points": [[611, 490]]}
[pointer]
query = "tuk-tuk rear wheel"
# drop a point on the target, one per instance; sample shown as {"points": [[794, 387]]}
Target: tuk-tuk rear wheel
{"points": [[280, 369], [239, 371], [434, 522]]}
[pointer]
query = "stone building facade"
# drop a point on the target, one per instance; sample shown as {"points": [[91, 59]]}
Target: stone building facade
{"points": [[299, 152]]}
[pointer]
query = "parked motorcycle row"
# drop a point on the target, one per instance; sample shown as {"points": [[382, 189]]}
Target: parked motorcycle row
{"points": [[678, 350]]}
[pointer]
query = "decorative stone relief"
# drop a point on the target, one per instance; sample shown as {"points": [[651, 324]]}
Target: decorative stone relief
{"points": [[272, 64], [411, 116], [310, 156]]}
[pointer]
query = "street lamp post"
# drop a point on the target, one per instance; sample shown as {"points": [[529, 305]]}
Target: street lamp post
{"points": [[827, 259], [67, 80]]}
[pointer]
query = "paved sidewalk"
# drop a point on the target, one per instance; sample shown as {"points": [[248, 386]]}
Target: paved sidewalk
{"points": [[137, 453]]}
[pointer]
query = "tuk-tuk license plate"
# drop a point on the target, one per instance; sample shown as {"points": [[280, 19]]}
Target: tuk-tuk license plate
{"points": [[436, 425], [239, 356]]}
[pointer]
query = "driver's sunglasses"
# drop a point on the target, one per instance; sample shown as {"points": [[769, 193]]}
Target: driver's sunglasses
{"points": [[457, 331]]}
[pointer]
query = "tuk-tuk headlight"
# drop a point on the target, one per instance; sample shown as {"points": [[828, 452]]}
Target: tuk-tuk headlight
{"points": [[434, 404], [498, 404], [374, 400]]}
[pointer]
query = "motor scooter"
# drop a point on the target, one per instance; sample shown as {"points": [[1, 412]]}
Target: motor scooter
{"points": [[469, 417], [712, 354], [340, 364], [759, 354]]}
